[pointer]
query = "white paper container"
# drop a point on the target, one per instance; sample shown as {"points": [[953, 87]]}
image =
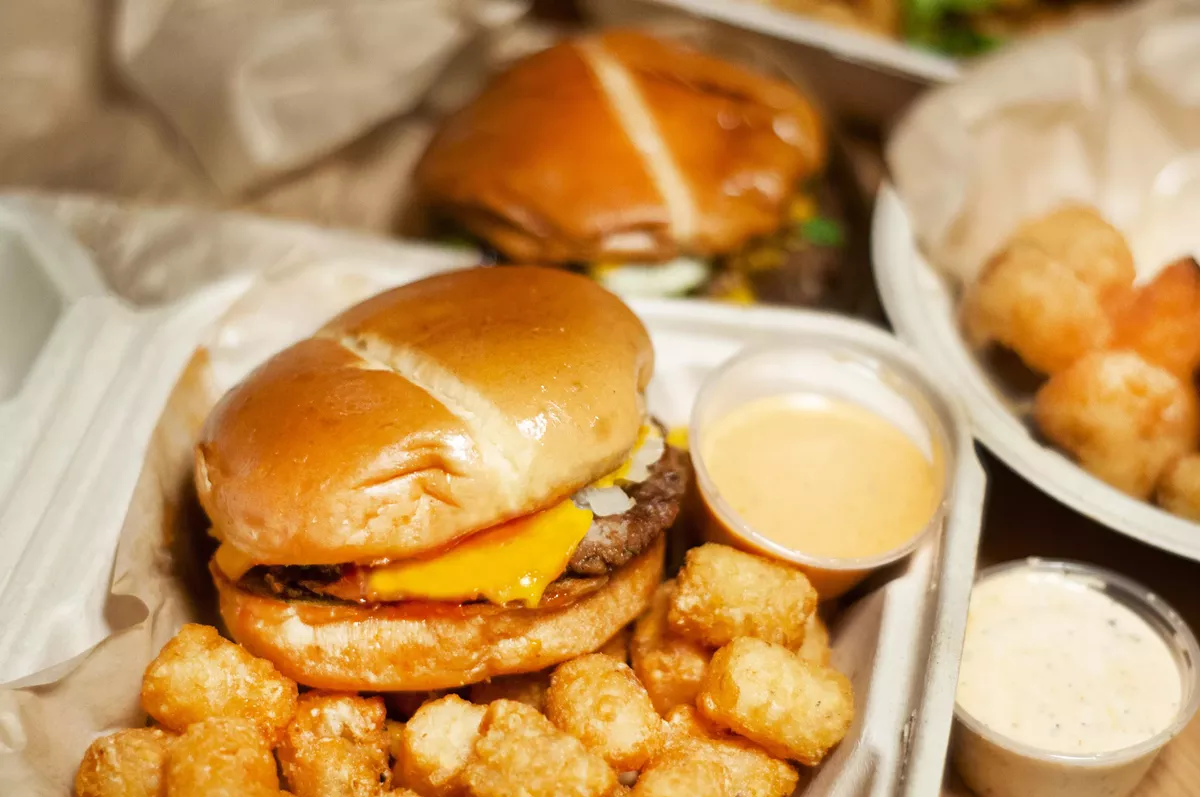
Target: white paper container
{"points": [[63, 520], [856, 75], [923, 311]]}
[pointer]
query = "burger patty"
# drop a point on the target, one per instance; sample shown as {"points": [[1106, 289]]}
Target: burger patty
{"points": [[613, 540], [610, 543]]}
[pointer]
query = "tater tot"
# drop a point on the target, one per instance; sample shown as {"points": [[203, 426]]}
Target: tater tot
{"points": [[599, 701], [680, 776], [436, 744], [618, 646], [1034, 305], [1162, 322], [521, 752], [1179, 489], [1124, 419], [199, 674], [722, 593], [1095, 251], [815, 647], [124, 764], [768, 694], [751, 771], [336, 746], [668, 665], [395, 737], [528, 688], [221, 757]]}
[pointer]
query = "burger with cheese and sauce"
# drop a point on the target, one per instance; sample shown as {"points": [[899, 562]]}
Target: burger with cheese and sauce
{"points": [[652, 167], [453, 480]]}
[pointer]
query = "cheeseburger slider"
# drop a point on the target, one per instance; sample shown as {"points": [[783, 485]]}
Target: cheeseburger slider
{"points": [[454, 480], [654, 168]]}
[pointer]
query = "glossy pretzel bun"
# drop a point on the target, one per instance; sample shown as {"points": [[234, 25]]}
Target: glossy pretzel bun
{"points": [[621, 145], [411, 645], [426, 413]]}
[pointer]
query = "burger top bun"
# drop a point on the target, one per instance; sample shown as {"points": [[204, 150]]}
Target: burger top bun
{"points": [[426, 413], [622, 146]]}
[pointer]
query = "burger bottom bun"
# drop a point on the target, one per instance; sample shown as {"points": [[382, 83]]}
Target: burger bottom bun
{"points": [[413, 646]]}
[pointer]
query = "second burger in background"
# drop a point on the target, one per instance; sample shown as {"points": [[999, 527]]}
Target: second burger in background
{"points": [[656, 169], [454, 480]]}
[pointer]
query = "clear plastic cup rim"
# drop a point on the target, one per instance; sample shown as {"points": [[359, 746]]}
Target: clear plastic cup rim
{"points": [[1157, 614], [916, 389]]}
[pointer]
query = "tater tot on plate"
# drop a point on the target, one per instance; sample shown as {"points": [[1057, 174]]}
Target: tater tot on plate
{"points": [[127, 763], [436, 744], [199, 674], [599, 701], [1179, 489], [336, 746], [683, 777], [771, 696], [723, 593], [669, 666], [1124, 420], [521, 752], [221, 757], [815, 647], [1162, 322], [751, 770], [1031, 303]]}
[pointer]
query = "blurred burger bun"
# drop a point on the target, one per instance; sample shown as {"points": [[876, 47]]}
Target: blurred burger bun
{"points": [[622, 146]]}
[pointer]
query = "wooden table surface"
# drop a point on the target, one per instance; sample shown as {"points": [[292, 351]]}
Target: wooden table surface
{"points": [[1020, 522]]}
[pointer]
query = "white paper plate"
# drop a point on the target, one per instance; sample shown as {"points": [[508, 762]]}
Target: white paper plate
{"points": [[921, 307]]}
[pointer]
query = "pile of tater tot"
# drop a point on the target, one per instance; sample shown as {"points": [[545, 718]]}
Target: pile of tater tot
{"points": [[721, 688], [1119, 360]]}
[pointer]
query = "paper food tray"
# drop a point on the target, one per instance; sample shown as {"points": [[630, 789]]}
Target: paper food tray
{"points": [[856, 75], [96, 394]]}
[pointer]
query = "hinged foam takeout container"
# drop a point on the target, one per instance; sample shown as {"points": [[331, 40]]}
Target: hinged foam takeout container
{"points": [[97, 424]]}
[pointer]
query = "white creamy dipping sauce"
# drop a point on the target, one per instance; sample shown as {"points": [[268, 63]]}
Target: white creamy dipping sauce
{"points": [[1052, 663]]}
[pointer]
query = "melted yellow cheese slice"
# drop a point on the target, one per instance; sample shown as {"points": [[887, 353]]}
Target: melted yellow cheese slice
{"points": [[233, 563], [514, 561]]}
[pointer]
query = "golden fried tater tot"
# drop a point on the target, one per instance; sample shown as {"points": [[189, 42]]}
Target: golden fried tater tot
{"points": [[436, 745], [618, 646], [521, 752], [1037, 307], [395, 736], [815, 647], [751, 771], [1179, 489], [336, 746], [124, 764], [1095, 251], [199, 674], [1162, 322], [221, 757], [599, 701], [773, 697], [679, 776], [668, 665], [723, 593], [1122, 418], [528, 688]]}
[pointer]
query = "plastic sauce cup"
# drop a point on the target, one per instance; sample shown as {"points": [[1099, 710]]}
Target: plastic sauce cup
{"points": [[832, 366], [994, 765]]}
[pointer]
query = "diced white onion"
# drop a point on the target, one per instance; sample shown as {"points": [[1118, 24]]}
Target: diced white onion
{"points": [[604, 501]]}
